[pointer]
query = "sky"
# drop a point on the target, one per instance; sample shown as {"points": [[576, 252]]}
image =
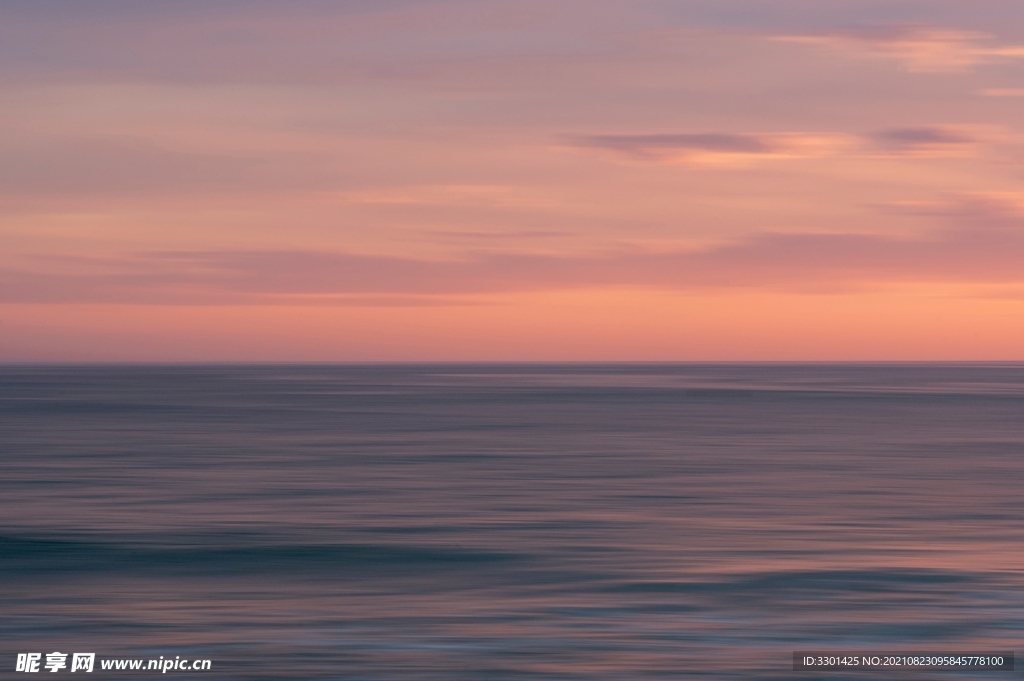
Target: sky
{"points": [[477, 180]]}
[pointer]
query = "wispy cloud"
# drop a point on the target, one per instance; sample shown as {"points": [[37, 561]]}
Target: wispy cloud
{"points": [[982, 242], [1002, 92], [917, 48], [714, 148], [493, 196], [743, 148], [981, 210], [924, 140], [656, 145]]}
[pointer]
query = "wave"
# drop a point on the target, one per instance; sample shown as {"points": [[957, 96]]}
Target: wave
{"points": [[875, 580], [35, 555]]}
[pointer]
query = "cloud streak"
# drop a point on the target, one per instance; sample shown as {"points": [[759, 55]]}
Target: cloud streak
{"points": [[919, 49], [929, 140], [714, 148], [985, 243], [721, 148]]}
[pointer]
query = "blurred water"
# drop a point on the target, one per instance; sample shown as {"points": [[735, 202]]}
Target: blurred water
{"points": [[510, 521]]}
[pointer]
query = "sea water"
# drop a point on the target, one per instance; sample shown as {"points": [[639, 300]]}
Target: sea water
{"points": [[510, 521]]}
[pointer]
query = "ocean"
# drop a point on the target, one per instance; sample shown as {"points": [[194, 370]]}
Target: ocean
{"points": [[510, 521]]}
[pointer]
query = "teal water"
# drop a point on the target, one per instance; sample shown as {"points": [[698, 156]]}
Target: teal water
{"points": [[510, 521]]}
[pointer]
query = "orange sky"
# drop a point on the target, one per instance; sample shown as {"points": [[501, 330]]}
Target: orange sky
{"points": [[491, 180]]}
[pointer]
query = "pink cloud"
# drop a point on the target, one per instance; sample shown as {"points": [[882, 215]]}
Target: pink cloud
{"points": [[708, 147], [716, 148], [918, 48], [982, 241], [923, 136]]}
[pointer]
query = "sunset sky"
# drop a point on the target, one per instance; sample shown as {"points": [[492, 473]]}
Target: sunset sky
{"points": [[366, 180]]}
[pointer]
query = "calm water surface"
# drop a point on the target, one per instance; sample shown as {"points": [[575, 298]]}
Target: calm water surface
{"points": [[510, 521]]}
